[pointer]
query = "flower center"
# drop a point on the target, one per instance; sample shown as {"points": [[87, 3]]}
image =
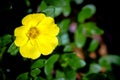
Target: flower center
{"points": [[33, 32]]}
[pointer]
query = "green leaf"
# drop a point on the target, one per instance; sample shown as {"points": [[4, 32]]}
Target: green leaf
{"points": [[93, 45], [67, 8], [92, 29], [75, 62], [92, 7], [38, 64], [64, 60], [23, 76], [58, 11], [43, 6], [56, 3], [94, 68], [78, 1], [28, 3], [13, 49], [115, 59], [104, 62], [87, 12], [49, 64], [69, 47], [64, 26], [64, 39], [35, 72], [107, 60], [6, 39], [72, 60], [70, 75], [49, 11], [52, 59], [2, 50], [60, 75], [80, 38]]}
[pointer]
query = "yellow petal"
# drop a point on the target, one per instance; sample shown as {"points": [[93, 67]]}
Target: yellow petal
{"points": [[48, 27], [53, 30], [20, 31], [43, 43], [30, 50], [20, 41], [46, 44], [33, 19], [20, 34]]}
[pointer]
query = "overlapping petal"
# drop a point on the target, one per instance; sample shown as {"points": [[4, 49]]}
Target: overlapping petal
{"points": [[30, 50], [46, 44], [48, 27], [32, 19], [20, 34], [37, 35]]}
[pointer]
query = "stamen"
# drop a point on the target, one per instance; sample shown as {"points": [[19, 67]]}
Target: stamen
{"points": [[33, 32]]}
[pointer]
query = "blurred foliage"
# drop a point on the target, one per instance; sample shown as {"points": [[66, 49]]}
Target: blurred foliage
{"points": [[69, 60]]}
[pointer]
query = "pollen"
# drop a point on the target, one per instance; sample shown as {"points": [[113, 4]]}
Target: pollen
{"points": [[33, 32]]}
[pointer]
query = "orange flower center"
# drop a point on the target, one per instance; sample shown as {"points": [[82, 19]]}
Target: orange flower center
{"points": [[33, 32]]}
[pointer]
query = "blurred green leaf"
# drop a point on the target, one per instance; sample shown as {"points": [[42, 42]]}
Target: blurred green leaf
{"points": [[63, 35], [64, 26], [107, 60], [93, 45], [6, 39], [38, 64], [58, 11], [48, 69], [78, 1], [64, 39], [73, 61], [60, 75], [43, 5], [13, 49], [115, 59], [64, 60], [23, 76], [104, 62], [92, 7], [49, 11], [27, 3], [70, 75], [2, 50], [49, 64], [87, 12], [69, 47], [80, 38], [94, 68], [57, 3], [92, 29], [35, 72], [67, 8]]}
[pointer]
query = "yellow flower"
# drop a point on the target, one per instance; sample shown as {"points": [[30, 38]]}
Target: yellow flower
{"points": [[36, 36]]}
